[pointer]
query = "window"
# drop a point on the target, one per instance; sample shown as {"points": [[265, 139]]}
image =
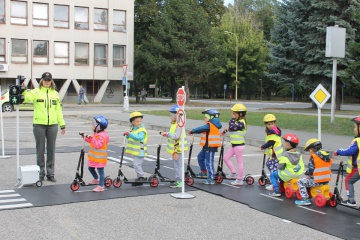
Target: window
{"points": [[19, 50], [81, 54], [81, 18], [61, 16], [40, 52], [40, 14], [100, 55], [2, 50], [118, 55], [18, 12], [2, 11], [100, 19], [93, 87], [119, 21], [61, 50]]}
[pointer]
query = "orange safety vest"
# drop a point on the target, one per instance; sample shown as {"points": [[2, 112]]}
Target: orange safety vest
{"points": [[98, 155], [212, 137], [322, 171]]}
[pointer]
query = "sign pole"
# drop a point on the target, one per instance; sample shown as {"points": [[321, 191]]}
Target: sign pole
{"points": [[181, 120], [2, 133], [319, 124]]}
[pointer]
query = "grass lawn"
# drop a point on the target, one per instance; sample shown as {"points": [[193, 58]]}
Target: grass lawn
{"points": [[301, 122]]}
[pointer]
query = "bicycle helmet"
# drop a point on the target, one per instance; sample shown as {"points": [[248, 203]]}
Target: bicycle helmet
{"points": [[292, 139], [239, 108], [134, 115], [269, 118], [174, 108], [212, 112], [100, 123], [313, 143]]}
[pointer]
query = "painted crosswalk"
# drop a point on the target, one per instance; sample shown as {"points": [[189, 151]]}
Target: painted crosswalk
{"points": [[9, 199]]}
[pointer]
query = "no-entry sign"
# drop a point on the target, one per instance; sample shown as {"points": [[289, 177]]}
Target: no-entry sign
{"points": [[181, 118], [181, 97]]}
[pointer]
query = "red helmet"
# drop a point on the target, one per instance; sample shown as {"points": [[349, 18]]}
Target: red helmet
{"points": [[356, 120], [290, 137]]}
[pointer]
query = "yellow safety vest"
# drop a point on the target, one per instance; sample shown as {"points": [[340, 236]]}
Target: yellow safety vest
{"points": [[289, 172], [98, 155], [277, 149], [349, 165], [175, 145], [238, 137], [134, 147]]}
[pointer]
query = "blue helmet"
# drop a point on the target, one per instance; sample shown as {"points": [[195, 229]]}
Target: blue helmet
{"points": [[174, 108], [102, 123], [212, 112]]}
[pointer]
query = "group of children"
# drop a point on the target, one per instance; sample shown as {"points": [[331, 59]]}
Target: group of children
{"points": [[284, 162]]}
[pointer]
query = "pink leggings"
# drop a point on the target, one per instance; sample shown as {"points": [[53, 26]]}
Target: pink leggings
{"points": [[238, 152]]}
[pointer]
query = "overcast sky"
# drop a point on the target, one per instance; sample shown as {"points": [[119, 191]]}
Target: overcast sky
{"points": [[226, 2]]}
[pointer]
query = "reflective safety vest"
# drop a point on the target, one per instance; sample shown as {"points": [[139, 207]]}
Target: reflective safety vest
{"points": [[349, 165], [291, 171], [277, 149], [134, 147], [213, 137], [322, 171], [238, 137], [175, 145], [98, 155]]}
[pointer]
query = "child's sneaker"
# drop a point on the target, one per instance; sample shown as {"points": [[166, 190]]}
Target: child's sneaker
{"points": [[94, 181], [231, 176], [269, 187], [177, 184], [349, 203], [98, 189], [201, 175], [303, 202], [275, 194], [209, 182], [237, 182]]}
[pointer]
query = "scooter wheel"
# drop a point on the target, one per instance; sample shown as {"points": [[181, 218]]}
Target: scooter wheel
{"points": [[39, 183], [249, 180], [154, 182], [289, 192], [117, 182], [108, 182], [332, 201], [320, 200], [218, 179], [262, 181], [189, 181], [75, 186]]}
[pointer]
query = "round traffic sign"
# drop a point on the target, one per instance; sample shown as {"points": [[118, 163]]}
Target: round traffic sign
{"points": [[181, 118], [181, 97]]}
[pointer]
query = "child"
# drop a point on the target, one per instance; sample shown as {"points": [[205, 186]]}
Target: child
{"points": [[210, 141], [352, 167], [291, 164], [237, 129], [137, 145], [174, 145], [273, 147], [97, 155], [319, 170]]}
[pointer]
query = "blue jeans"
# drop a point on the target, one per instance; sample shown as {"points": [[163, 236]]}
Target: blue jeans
{"points": [[81, 99], [274, 178], [101, 174], [206, 162]]}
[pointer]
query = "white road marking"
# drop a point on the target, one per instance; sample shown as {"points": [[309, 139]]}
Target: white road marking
{"points": [[279, 199], [168, 167], [111, 151], [9, 195], [13, 200], [287, 221], [6, 191], [21, 205], [230, 185], [311, 209], [117, 160], [251, 155], [87, 190]]}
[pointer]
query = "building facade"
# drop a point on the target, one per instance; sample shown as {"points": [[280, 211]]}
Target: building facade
{"points": [[87, 42]]}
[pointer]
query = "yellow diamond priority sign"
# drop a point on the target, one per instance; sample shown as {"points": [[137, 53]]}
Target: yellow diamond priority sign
{"points": [[320, 96]]}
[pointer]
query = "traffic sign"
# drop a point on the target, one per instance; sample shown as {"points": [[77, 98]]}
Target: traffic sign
{"points": [[181, 97], [320, 96], [181, 118], [124, 80]]}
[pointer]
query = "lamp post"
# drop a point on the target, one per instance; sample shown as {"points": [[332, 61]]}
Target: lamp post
{"points": [[260, 89], [237, 52]]}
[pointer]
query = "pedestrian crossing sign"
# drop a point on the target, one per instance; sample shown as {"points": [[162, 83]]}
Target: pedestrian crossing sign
{"points": [[320, 96]]}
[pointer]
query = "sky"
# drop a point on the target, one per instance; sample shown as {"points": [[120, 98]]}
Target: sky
{"points": [[226, 2]]}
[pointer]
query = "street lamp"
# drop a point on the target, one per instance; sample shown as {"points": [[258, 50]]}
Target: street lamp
{"points": [[260, 89], [237, 52], [126, 98]]}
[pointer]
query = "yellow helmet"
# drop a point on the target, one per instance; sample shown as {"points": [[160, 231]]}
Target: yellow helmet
{"points": [[313, 143], [238, 108], [269, 118], [134, 115]]}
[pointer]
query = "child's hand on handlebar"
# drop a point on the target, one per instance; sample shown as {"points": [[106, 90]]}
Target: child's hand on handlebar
{"points": [[126, 133], [164, 134]]}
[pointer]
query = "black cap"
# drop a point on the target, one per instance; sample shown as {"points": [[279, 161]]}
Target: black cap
{"points": [[46, 75]]}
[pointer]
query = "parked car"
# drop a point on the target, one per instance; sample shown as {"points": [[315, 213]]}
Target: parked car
{"points": [[8, 107]]}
